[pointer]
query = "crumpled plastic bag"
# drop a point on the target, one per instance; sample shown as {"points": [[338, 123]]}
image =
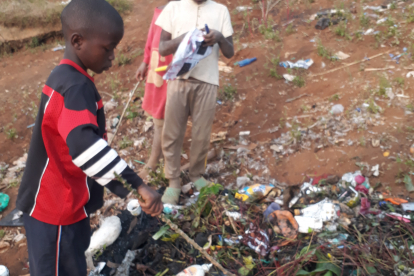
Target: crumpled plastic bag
{"points": [[305, 64], [256, 239], [365, 206], [289, 231], [362, 189], [105, 236]]}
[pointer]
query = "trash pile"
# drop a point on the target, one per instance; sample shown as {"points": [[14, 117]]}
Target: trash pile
{"points": [[334, 225], [328, 130]]}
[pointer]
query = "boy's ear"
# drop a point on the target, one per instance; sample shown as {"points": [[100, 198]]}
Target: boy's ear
{"points": [[77, 41]]}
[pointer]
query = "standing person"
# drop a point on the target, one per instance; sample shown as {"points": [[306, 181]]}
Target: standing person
{"points": [[70, 162], [155, 89], [194, 93]]}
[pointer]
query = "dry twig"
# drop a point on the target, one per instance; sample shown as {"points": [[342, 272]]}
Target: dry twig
{"points": [[123, 112], [196, 246]]}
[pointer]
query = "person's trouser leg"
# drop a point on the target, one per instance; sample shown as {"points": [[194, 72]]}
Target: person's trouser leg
{"points": [[202, 110], [57, 250], [156, 150], [175, 125]]}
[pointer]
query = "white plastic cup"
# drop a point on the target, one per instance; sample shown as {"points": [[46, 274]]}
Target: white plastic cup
{"points": [[133, 207], [4, 271]]}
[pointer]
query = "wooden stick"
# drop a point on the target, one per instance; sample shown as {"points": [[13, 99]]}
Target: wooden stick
{"points": [[234, 226], [296, 98], [123, 112], [196, 246], [350, 64]]}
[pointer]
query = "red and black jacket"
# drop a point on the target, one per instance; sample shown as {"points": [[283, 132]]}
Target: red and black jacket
{"points": [[69, 161]]}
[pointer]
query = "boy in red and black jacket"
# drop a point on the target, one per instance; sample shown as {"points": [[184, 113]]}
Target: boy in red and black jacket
{"points": [[69, 161]]}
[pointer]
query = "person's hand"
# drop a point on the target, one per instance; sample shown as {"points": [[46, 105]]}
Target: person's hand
{"points": [[212, 38], [142, 71], [152, 205]]}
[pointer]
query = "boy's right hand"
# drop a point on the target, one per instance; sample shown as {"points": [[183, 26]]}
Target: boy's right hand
{"points": [[142, 71], [152, 205]]}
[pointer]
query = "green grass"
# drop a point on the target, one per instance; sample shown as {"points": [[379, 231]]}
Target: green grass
{"points": [[334, 98], [399, 81], [33, 13], [410, 17], [227, 93], [383, 85], [130, 115], [379, 39], [34, 42], [362, 141], [324, 52], [342, 31], [125, 59], [299, 81], [273, 71], [364, 21], [122, 6], [373, 108], [290, 29], [37, 13], [125, 143], [122, 60], [11, 133], [269, 33]]}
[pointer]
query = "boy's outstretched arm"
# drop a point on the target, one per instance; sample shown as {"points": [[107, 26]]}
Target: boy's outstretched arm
{"points": [[78, 126], [169, 46]]}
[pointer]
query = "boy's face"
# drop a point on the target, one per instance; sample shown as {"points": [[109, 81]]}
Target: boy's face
{"points": [[199, 1], [96, 52]]}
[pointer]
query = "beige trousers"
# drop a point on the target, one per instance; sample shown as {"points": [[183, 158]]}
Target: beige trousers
{"points": [[188, 98]]}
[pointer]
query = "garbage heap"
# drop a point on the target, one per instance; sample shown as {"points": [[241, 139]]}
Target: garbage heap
{"points": [[334, 225]]}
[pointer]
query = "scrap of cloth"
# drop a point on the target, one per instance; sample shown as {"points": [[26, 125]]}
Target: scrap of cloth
{"points": [[188, 55]]}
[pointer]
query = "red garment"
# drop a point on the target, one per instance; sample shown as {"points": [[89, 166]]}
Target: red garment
{"points": [[156, 88]]}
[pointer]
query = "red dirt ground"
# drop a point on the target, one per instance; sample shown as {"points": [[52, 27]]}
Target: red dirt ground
{"points": [[23, 75]]}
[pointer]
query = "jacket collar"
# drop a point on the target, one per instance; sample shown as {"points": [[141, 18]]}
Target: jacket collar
{"points": [[77, 67]]}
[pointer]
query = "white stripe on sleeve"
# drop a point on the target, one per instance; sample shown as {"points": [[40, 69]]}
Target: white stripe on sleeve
{"points": [[90, 152], [101, 163], [109, 176]]}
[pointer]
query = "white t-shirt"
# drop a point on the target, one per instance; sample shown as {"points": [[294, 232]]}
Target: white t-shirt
{"points": [[179, 17]]}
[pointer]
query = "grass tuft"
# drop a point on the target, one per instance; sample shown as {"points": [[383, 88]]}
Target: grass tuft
{"points": [[228, 93], [40, 13]]}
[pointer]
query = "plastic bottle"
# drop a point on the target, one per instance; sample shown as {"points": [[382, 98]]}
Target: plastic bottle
{"points": [[246, 61], [4, 271], [195, 270]]}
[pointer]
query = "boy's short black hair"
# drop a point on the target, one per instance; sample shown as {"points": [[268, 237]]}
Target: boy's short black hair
{"points": [[89, 17]]}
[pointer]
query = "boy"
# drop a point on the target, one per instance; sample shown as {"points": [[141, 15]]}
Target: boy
{"points": [[195, 93], [155, 89], [69, 161]]}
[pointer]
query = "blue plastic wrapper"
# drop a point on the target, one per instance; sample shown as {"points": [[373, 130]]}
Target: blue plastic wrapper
{"points": [[4, 201], [305, 64]]}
